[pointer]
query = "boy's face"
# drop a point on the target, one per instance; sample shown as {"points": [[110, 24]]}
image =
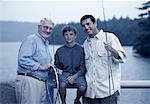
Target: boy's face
{"points": [[69, 37]]}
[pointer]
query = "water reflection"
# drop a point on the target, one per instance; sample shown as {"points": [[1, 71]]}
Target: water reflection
{"points": [[135, 68]]}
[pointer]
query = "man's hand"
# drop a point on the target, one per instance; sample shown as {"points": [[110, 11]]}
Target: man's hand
{"points": [[59, 71], [108, 47], [44, 67], [72, 79]]}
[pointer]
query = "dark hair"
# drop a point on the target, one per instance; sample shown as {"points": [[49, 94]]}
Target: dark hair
{"points": [[68, 28], [86, 17]]}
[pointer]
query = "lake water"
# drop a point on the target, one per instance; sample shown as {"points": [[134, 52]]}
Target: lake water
{"points": [[135, 68]]}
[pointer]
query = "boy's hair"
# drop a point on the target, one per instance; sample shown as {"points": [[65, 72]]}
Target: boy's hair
{"points": [[86, 17], [69, 28]]}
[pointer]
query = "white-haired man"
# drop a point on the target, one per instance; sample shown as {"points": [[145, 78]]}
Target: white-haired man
{"points": [[34, 61]]}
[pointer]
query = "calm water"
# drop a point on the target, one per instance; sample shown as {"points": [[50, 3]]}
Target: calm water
{"points": [[135, 68]]}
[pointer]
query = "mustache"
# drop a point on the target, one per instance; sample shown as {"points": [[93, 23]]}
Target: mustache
{"points": [[47, 33]]}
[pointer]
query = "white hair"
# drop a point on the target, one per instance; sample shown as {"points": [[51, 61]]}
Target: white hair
{"points": [[42, 21]]}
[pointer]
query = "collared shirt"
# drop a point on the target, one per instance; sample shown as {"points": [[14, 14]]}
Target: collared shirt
{"points": [[71, 59], [34, 52], [97, 65]]}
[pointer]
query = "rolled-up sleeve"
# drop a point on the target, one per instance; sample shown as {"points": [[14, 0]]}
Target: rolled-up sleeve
{"points": [[117, 46], [122, 57]]}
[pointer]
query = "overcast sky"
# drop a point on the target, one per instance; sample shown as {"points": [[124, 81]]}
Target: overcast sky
{"points": [[64, 11]]}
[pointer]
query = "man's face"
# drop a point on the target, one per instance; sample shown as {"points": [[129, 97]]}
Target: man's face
{"points": [[69, 37], [89, 27], [46, 29]]}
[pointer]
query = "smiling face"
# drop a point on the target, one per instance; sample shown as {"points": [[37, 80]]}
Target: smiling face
{"points": [[69, 37], [89, 27], [69, 34], [45, 28]]}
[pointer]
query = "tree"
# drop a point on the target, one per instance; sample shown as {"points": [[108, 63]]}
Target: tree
{"points": [[142, 42]]}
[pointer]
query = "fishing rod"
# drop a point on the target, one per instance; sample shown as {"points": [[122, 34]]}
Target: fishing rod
{"points": [[57, 85], [54, 82], [56, 75], [110, 74]]}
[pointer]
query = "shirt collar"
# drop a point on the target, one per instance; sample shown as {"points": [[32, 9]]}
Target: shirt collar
{"points": [[97, 36], [45, 41]]}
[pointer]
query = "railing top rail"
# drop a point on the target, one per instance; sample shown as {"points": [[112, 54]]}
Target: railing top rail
{"points": [[126, 84], [135, 84]]}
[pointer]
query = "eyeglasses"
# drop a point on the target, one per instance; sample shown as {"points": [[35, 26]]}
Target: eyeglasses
{"points": [[47, 27]]}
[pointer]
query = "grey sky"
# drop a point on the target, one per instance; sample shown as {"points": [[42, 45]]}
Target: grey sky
{"points": [[61, 11]]}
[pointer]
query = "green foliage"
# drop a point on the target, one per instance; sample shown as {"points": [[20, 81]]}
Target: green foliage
{"points": [[125, 28], [142, 42]]}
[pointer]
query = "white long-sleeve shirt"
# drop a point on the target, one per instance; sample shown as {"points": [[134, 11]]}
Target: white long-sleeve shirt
{"points": [[97, 64]]}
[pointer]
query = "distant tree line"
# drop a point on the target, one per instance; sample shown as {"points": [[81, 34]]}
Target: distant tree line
{"points": [[142, 42], [125, 28]]}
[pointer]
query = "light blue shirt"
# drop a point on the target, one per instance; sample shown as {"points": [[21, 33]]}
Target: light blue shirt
{"points": [[34, 52]]}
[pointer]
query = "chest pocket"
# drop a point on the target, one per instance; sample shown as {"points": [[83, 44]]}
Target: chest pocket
{"points": [[103, 57]]}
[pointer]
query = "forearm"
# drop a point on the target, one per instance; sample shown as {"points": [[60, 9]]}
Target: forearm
{"points": [[115, 53], [44, 67], [81, 72]]}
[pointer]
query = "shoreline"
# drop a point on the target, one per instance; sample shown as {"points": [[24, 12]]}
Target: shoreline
{"points": [[7, 92]]}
